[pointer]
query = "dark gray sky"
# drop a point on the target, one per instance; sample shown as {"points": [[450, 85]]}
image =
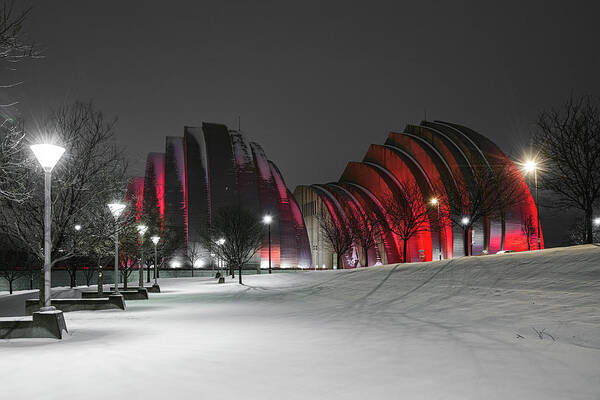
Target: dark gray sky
{"points": [[314, 82]]}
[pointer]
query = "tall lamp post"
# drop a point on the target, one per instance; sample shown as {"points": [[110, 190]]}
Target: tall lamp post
{"points": [[267, 219], [155, 239], [141, 230], [531, 166], [436, 202], [47, 155], [74, 277], [116, 210]]}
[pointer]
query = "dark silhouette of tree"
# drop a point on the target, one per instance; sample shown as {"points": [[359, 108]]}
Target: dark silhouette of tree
{"points": [[14, 48], [529, 229], [567, 141], [242, 232], [366, 232], [490, 191], [407, 214], [338, 236]]}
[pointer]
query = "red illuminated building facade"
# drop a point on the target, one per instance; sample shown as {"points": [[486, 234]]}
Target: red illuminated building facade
{"points": [[210, 167], [439, 158]]}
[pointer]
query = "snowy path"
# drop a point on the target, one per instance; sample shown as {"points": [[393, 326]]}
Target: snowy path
{"points": [[460, 329]]}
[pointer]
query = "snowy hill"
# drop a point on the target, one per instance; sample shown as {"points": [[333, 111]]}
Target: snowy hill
{"points": [[521, 325]]}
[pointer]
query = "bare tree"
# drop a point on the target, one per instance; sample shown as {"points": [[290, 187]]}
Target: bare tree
{"points": [[338, 236], [529, 229], [242, 232], [490, 192], [14, 264], [407, 214], [194, 253], [14, 47], [366, 232], [568, 145], [577, 234]]}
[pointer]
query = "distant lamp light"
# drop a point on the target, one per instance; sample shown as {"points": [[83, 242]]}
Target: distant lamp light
{"points": [[78, 227], [199, 263], [465, 220], [267, 219], [155, 239], [142, 229], [221, 241], [116, 209], [530, 166], [47, 155], [175, 264], [597, 221], [434, 201]]}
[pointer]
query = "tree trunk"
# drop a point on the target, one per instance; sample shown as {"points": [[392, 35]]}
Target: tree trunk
{"points": [[10, 286], [404, 251], [339, 262], [232, 270], [366, 254], [589, 229], [240, 274], [192, 270], [125, 279]]}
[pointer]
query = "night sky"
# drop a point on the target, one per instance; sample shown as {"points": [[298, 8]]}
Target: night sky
{"points": [[313, 82]]}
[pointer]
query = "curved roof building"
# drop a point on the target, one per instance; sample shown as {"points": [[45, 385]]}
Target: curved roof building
{"points": [[438, 158], [210, 167]]}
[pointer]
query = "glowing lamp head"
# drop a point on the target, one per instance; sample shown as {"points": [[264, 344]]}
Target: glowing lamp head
{"points": [[530, 166], [47, 155], [175, 264], [597, 221], [77, 227], [142, 229], [221, 241], [465, 221], [212, 255], [155, 239], [116, 209], [267, 219], [434, 201]]}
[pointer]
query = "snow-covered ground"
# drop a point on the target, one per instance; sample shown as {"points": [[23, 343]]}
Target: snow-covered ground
{"points": [[512, 326]]}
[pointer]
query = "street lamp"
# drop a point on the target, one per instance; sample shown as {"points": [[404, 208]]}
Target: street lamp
{"points": [[531, 166], [116, 209], [77, 227], [141, 230], [267, 219], [435, 202], [597, 221], [47, 155], [155, 240]]}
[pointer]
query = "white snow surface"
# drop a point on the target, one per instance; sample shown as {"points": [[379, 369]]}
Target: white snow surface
{"points": [[458, 329]]}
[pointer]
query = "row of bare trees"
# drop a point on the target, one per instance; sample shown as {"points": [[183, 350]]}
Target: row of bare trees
{"points": [[490, 193]]}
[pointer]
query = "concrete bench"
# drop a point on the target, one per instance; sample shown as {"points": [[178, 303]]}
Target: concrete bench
{"points": [[103, 303], [47, 324], [149, 289], [129, 294]]}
